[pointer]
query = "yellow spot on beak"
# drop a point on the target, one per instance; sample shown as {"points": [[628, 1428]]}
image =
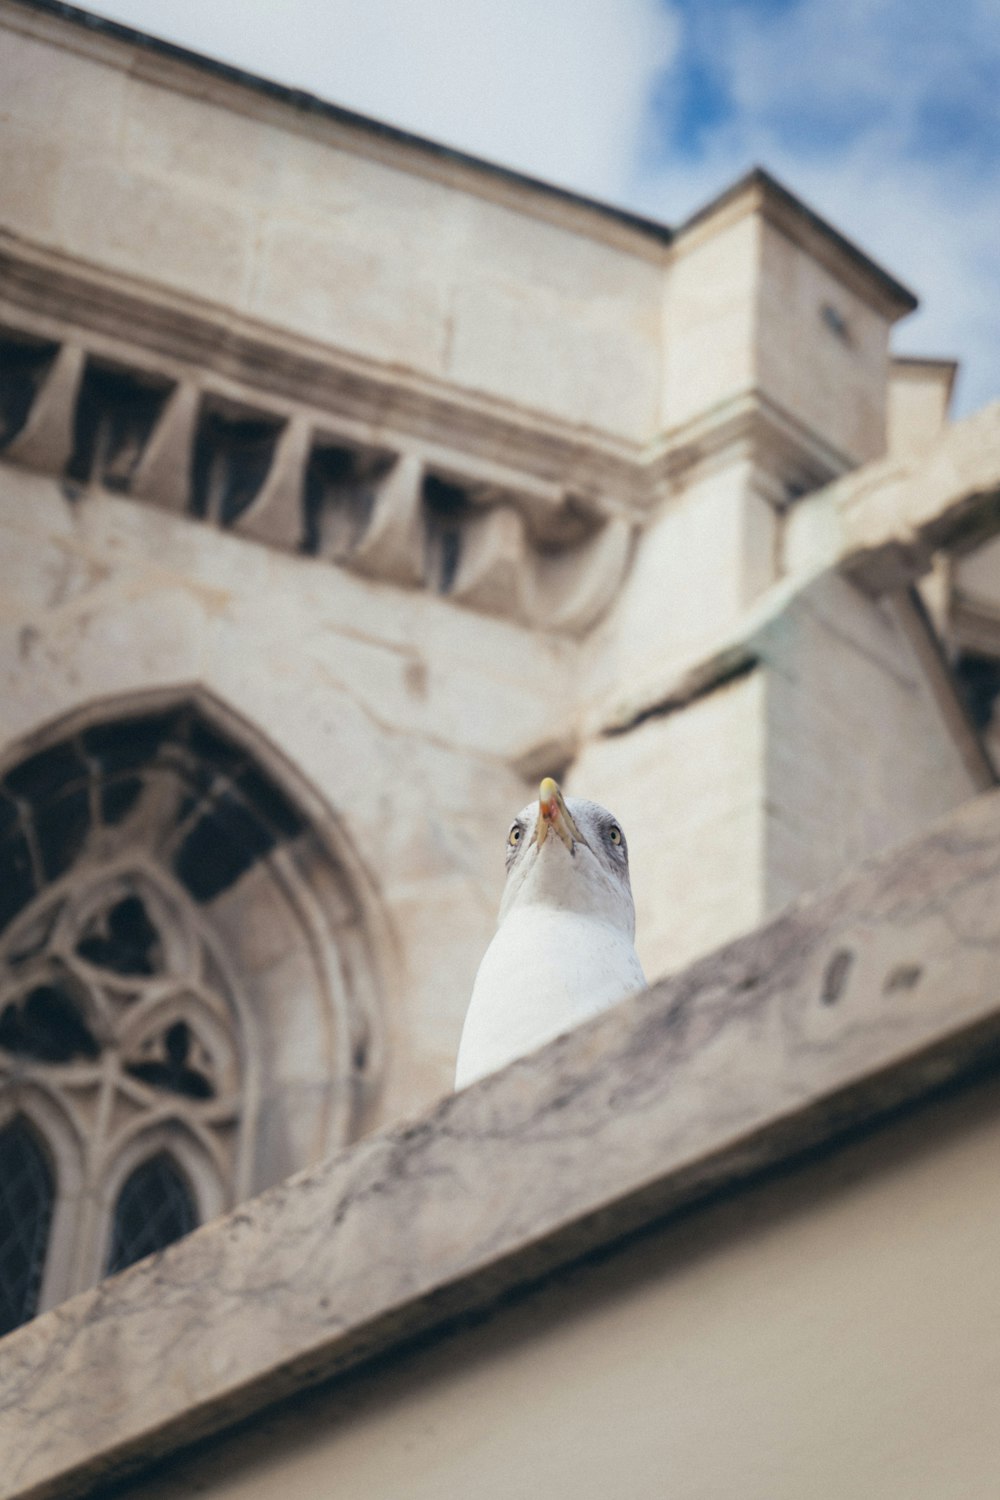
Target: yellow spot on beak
{"points": [[553, 813]]}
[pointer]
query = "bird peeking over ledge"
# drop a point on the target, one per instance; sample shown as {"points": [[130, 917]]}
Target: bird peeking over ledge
{"points": [[564, 945]]}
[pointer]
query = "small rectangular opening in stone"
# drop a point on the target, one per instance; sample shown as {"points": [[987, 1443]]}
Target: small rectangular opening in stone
{"points": [[446, 506], [116, 411], [233, 451], [24, 363], [338, 496], [978, 677]]}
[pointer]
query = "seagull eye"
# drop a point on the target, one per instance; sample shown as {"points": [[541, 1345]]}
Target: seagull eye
{"points": [[514, 837], [615, 834]]}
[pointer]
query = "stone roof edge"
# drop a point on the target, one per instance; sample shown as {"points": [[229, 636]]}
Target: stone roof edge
{"points": [[887, 292], [941, 362], [758, 191], [856, 1003], [927, 364], [653, 231]]}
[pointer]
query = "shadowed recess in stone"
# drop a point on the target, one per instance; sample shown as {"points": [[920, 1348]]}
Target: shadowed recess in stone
{"points": [[114, 418], [123, 939], [447, 508], [169, 1064], [46, 1024], [17, 882], [573, 525], [154, 1208], [27, 1192], [231, 458], [24, 364], [979, 678], [338, 497]]}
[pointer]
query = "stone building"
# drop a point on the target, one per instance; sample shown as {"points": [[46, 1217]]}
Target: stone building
{"points": [[347, 485]]}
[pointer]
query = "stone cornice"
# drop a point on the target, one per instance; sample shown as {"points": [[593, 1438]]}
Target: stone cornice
{"points": [[846, 1008], [754, 428], [167, 332], [183, 71], [178, 334], [547, 511]]}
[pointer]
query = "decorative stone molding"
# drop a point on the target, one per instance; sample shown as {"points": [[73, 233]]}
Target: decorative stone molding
{"points": [[283, 479], [112, 1004], [173, 924], [303, 447], [869, 998]]}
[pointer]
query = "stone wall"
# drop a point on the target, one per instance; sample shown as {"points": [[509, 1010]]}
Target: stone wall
{"points": [[829, 1334], [408, 729]]}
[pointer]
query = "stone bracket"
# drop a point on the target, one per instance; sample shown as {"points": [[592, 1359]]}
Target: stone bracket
{"points": [[46, 440]]}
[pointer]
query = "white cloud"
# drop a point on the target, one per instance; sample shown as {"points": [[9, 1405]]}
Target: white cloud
{"points": [[885, 117]]}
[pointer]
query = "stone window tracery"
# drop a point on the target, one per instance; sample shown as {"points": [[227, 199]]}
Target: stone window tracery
{"points": [[112, 1003], [27, 1191], [171, 930]]}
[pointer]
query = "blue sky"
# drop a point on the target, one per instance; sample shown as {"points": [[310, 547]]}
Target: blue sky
{"points": [[883, 114]]}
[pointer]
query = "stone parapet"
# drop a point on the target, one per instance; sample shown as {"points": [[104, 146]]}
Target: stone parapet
{"points": [[869, 998]]}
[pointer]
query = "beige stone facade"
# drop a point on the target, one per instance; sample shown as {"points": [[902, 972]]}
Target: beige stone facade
{"points": [[347, 486]]}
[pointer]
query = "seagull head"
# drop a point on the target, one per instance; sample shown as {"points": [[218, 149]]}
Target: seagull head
{"points": [[569, 854]]}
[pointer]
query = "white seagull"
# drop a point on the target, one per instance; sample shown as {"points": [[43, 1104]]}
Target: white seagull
{"points": [[564, 945]]}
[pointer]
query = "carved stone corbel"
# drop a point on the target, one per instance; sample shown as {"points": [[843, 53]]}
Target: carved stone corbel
{"points": [[46, 440], [392, 545], [570, 589], [163, 474], [491, 568], [275, 517]]}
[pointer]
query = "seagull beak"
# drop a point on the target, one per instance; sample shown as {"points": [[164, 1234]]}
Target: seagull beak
{"points": [[553, 813]]}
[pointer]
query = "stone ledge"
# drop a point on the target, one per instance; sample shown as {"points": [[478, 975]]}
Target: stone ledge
{"points": [[756, 640], [848, 1006], [883, 523]]}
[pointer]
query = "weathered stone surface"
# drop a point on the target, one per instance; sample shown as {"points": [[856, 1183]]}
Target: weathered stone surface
{"points": [[873, 995], [774, 756], [884, 523], [371, 693], [918, 401]]}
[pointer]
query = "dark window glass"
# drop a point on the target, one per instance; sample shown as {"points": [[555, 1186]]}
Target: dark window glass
{"points": [[170, 1066], [123, 939], [47, 1025], [26, 1197], [154, 1208]]}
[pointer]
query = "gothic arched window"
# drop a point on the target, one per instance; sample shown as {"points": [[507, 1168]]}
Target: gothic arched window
{"points": [[177, 943], [154, 1208], [26, 1198]]}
